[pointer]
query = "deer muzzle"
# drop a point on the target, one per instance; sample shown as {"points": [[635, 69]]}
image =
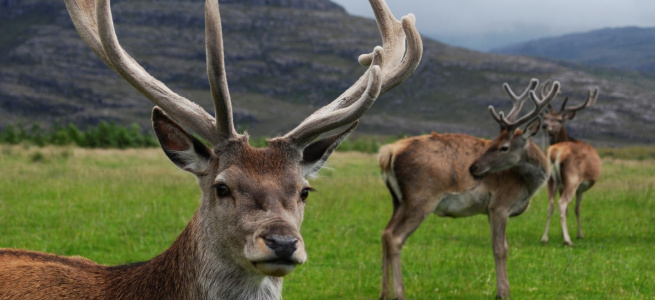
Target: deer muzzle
{"points": [[278, 250]]}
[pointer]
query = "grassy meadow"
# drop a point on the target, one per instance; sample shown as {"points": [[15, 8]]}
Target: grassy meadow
{"points": [[120, 206]]}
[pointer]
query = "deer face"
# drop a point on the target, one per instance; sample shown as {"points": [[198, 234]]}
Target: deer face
{"points": [[505, 151], [508, 148], [554, 122], [257, 200], [253, 199]]}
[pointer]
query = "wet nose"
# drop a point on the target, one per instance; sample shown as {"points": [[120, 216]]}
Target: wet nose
{"points": [[473, 168], [544, 126], [283, 246]]}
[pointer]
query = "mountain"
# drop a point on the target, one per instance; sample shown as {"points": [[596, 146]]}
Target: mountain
{"points": [[284, 59], [625, 48]]}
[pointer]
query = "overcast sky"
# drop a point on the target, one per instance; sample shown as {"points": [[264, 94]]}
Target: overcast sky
{"points": [[486, 24]]}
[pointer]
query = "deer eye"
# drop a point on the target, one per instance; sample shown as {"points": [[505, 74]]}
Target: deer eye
{"points": [[504, 149], [305, 193], [222, 190]]}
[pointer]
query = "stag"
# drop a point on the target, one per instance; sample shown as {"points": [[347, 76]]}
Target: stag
{"points": [[575, 165], [245, 235], [456, 175]]}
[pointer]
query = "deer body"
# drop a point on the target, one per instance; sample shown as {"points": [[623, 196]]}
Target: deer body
{"points": [[456, 192], [575, 166], [245, 235], [428, 183], [456, 175]]}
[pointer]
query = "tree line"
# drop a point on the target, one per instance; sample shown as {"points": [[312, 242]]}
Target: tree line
{"points": [[104, 135], [112, 135]]}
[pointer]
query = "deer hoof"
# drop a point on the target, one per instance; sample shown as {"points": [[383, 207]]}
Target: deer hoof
{"points": [[568, 243], [544, 241]]}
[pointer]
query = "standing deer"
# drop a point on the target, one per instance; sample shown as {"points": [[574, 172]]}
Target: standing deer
{"points": [[575, 165], [245, 235], [456, 175]]}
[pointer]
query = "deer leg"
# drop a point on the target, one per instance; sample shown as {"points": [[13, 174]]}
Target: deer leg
{"points": [[552, 192], [578, 199], [498, 224], [384, 291], [401, 226], [564, 201], [387, 236]]}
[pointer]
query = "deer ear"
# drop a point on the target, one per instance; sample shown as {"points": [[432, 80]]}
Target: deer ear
{"points": [[532, 128], [316, 154], [184, 150]]}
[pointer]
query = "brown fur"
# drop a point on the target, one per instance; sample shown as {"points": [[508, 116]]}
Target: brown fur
{"points": [[575, 168], [425, 174], [36, 275]]}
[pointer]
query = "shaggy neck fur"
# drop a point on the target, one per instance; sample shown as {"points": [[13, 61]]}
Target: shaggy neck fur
{"points": [[560, 136], [533, 167], [191, 270]]}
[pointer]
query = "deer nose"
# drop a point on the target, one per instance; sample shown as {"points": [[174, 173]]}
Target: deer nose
{"points": [[283, 246], [473, 168], [544, 126]]}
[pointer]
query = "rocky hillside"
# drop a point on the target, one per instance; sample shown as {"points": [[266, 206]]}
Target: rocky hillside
{"points": [[284, 59], [625, 48]]}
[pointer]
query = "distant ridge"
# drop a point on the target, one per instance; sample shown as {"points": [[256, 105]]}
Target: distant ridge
{"points": [[625, 48]]}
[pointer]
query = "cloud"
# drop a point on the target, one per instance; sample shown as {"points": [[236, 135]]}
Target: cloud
{"points": [[483, 24]]}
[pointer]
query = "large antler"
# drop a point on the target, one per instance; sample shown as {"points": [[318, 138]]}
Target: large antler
{"points": [[93, 21], [592, 96], [518, 101], [512, 123], [389, 65]]}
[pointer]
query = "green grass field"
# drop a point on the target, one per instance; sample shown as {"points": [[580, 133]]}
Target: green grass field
{"points": [[120, 206]]}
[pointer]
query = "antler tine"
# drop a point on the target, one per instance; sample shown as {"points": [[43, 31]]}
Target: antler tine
{"points": [[389, 65], [566, 99], [216, 71], [544, 88], [540, 104], [93, 21], [592, 96], [406, 52], [518, 101], [496, 116]]}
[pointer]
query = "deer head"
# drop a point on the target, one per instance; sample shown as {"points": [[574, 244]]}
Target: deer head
{"points": [[506, 150], [554, 121], [253, 199]]}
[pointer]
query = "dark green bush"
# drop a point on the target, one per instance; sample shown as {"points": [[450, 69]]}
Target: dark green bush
{"points": [[105, 135]]}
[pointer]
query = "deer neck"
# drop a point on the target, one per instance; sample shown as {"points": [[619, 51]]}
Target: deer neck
{"points": [[560, 136], [533, 167], [191, 269]]}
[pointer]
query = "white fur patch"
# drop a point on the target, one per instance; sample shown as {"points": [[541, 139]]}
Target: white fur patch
{"points": [[554, 167], [390, 178], [192, 160]]}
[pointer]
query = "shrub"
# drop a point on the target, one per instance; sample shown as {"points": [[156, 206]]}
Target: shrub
{"points": [[105, 135]]}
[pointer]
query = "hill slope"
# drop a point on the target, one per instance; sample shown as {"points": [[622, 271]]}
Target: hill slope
{"points": [[284, 59], [625, 48]]}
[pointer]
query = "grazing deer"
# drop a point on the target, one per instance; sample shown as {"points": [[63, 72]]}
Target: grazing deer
{"points": [[456, 175], [575, 165], [245, 235]]}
